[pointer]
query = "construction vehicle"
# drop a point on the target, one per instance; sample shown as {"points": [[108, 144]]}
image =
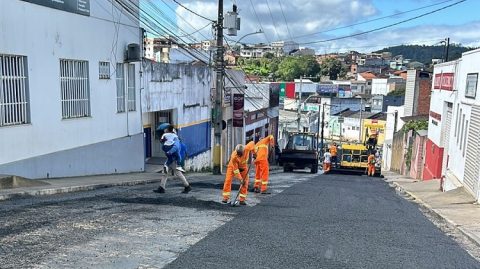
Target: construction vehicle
{"points": [[300, 152], [354, 157]]}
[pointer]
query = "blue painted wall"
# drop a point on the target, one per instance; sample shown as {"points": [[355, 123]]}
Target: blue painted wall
{"points": [[197, 138]]}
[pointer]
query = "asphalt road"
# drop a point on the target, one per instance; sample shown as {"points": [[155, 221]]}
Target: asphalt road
{"points": [[331, 221], [121, 227]]}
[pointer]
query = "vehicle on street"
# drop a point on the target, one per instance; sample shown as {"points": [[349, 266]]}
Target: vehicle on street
{"points": [[300, 152]]}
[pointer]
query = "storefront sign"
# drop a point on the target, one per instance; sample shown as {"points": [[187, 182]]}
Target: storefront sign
{"points": [[443, 81], [81, 7], [327, 89], [436, 116], [238, 105]]}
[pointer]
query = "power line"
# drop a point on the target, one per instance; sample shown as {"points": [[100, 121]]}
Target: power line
{"points": [[191, 11], [285, 19], [273, 20], [258, 20], [372, 20], [183, 19], [383, 27]]}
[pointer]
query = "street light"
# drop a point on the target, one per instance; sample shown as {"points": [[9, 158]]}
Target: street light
{"points": [[260, 31]]}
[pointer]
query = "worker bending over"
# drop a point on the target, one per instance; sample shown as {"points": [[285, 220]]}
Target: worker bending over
{"points": [[238, 168]]}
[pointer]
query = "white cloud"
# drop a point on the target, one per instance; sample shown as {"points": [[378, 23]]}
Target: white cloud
{"points": [[310, 16]]}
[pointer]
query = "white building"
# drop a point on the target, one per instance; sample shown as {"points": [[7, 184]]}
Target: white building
{"points": [[380, 86], [65, 89], [452, 149], [394, 124], [282, 48], [178, 94]]}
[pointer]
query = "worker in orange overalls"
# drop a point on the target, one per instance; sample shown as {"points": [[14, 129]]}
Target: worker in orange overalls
{"points": [[238, 168], [333, 152], [371, 164], [262, 149]]}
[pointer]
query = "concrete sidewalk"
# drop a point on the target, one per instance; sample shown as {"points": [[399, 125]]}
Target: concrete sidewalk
{"points": [[88, 183], [457, 207]]}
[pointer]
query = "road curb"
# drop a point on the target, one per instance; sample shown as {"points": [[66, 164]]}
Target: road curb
{"points": [[474, 239], [61, 190]]}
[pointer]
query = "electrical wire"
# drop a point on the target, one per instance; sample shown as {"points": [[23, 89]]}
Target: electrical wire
{"points": [[273, 20], [384, 27], [191, 11], [258, 20], [372, 20], [285, 19]]}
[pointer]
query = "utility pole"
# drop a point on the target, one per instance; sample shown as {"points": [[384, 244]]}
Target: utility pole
{"points": [[299, 105], [217, 111], [323, 126], [447, 47]]}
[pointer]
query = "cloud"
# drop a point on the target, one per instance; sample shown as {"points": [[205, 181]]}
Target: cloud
{"points": [[302, 16], [310, 16]]}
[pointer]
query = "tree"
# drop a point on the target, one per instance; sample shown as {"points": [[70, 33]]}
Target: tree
{"points": [[269, 55], [332, 68], [293, 67], [397, 92]]}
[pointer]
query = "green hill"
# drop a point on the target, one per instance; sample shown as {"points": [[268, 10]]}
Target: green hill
{"points": [[425, 54]]}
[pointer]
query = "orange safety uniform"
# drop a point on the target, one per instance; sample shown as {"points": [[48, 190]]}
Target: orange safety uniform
{"points": [[333, 150], [261, 162], [236, 164], [371, 165]]}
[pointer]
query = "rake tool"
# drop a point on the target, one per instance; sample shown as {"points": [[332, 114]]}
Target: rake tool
{"points": [[235, 202]]}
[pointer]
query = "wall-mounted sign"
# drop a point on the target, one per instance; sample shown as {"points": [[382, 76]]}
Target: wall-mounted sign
{"points": [[238, 105], [436, 116], [443, 81], [81, 7]]}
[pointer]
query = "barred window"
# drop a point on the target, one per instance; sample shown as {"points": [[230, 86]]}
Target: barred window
{"points": [[120, 88], [75, 89], [104, 70], [14, 105], [131, 87]]}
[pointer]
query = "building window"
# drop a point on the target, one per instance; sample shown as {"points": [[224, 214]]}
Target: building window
{"points": [[75, 89], [131, 87], [471, 89], [120, 88], [14, 105], [104, 70], [465, 138], [456, 122], [459, 117], [462, 132]]}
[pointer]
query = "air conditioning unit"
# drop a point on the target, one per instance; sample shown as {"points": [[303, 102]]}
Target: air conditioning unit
{"points": [[133, 53]]}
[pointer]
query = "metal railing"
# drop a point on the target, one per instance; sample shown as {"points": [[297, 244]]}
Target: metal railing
{"points": [[14, 105]]}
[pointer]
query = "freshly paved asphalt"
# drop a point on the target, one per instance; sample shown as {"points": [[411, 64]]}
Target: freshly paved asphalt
{"points": [[331, 221]]}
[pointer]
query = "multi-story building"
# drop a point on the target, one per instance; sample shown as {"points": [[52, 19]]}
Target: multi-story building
{"points": [[70, 100], [158, 48], [453, 150], [255, 51], [417, 92], [281, 48]]}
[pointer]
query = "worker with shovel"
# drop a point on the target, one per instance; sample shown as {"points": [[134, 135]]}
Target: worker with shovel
{"points": [[238, 168]]}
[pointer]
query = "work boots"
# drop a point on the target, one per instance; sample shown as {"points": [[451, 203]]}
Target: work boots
{"points": [[159, 190], [187, 189]]}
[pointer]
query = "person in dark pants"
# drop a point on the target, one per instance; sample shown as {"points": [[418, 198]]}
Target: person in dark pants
{"points": [[333, 152], [277, 154]]}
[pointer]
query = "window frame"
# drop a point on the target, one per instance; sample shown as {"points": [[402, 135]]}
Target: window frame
{"points": [[469, 88]]}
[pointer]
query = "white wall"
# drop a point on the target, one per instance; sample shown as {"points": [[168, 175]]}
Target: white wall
{"points": [[379, 86], [42, 34], [389, 131], [437, 101], [191, 89]]}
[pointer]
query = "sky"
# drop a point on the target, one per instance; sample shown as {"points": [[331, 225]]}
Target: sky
{"points": [[310, 22]]}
